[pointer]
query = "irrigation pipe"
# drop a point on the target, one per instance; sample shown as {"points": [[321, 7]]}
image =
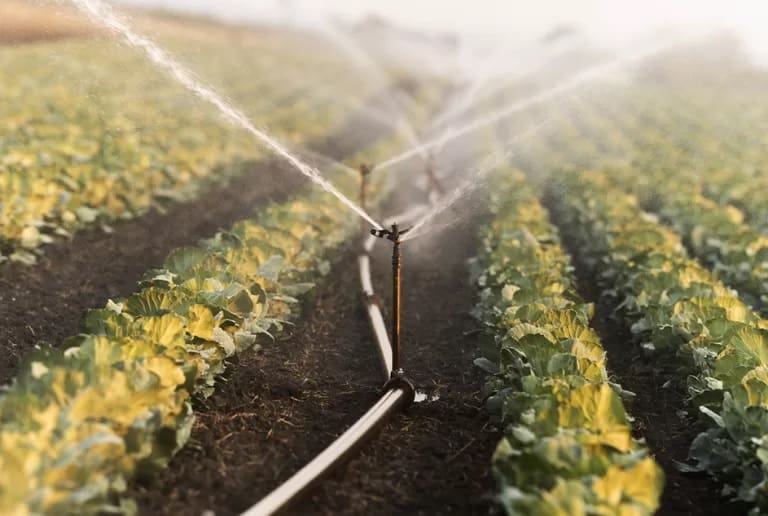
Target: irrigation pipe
{"points": [[398, 395], [291, 492]]}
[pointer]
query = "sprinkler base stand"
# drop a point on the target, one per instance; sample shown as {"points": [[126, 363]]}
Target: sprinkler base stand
{"points": [[399, 379]]}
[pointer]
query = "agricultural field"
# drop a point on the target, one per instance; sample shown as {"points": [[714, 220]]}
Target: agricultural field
{"points": [[94, 133], [538, 288]]}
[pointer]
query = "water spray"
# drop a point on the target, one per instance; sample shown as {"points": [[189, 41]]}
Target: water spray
{"points": [[365, 171], [579, 80], [393, 235], [432, 181], [102, 13]]}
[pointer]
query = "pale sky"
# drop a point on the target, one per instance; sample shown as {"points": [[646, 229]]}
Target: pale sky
{"points": [[607, 20]]}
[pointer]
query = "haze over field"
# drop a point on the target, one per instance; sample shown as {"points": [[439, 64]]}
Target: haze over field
{"points": [[605, 20]]}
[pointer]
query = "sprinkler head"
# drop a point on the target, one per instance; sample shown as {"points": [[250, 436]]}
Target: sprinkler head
{"points": [[392, 234], [364, 169]]}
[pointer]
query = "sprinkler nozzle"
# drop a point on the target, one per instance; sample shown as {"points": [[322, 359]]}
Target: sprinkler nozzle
{"points": [[364, 169], [393, 234]]}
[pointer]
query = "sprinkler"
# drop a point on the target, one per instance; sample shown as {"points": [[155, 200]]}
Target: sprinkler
{"points": [[393, 235], [365, 172]]}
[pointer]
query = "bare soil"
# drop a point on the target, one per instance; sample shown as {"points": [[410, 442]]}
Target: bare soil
{"points": [[24, 21], [435, 459]]}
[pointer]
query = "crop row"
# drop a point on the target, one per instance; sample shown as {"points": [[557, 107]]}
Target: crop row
{"points": [[678, 307], [682, 139], [657, 127], [664, 152], [92, 132], [715, 234], [81, 420], [567, 446], [685, 193], [744, 190]]}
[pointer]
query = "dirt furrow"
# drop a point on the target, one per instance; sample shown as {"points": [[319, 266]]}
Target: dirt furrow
{"points": [[435, 458]]}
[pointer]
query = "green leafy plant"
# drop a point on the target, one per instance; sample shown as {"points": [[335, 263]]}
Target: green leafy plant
{"points": [[567, 446], [677, 305], [79, 421]]}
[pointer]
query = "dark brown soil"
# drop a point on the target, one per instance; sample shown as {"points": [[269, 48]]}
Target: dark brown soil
{"points": [[662, 415], [46, 302], [24, 22], [435, 459], [281, 406]]}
